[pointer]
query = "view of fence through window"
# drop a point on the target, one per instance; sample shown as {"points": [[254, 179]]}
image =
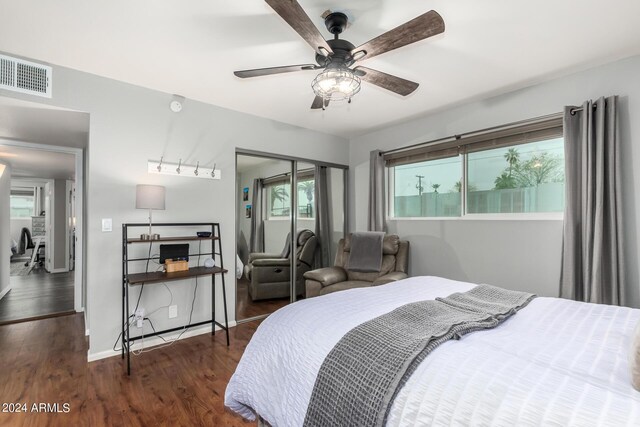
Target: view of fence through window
{"points": [[520, 179], [279, 199], [524, 178], [429, 189]]}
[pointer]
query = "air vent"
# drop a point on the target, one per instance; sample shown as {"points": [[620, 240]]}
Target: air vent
{"points": [[22, 76]]}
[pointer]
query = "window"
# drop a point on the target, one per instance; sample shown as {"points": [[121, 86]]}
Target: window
{"points": [[521, 179], [306, 191], [280, 200], [428, 189], [510, 170], [22, 203]]}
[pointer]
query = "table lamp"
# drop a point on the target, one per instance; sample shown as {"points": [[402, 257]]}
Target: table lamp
{"points": [[150, 197]]}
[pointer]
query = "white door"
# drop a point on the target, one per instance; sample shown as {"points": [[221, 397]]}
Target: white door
{"points": [[48, 221], [71, 224]]}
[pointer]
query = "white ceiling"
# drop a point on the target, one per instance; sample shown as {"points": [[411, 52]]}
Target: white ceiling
{"points": [[42, 124], [30, 163], [192, 48]]}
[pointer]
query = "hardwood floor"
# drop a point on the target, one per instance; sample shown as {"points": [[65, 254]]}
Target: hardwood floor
{"points": [[37, 294], [247, 309], [44, 361]]}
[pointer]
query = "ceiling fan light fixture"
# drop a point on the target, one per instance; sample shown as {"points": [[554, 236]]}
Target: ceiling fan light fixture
{"points": [[336, 84]]}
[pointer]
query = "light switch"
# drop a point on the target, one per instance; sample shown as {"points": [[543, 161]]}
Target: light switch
{"points": [[107, 225]]}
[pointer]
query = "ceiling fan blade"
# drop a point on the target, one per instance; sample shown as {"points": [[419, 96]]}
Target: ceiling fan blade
{"points": [[420, 28], [274, 70], [295, 16], [386, 81], [317, 103]]}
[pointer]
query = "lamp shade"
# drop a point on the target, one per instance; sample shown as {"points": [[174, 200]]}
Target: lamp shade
{"points": [[150, 197]]}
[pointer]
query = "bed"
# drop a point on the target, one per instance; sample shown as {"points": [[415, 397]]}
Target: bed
{"points": [[556, 362]]}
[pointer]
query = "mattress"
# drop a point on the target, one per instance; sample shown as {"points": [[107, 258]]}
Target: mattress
{"points": [[556, 362]]}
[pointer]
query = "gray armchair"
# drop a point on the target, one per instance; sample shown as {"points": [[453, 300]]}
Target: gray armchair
{"points": [[395, 262], [269, 273]]}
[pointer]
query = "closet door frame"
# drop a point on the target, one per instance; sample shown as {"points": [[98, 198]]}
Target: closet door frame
{"points": [[294, 211]]}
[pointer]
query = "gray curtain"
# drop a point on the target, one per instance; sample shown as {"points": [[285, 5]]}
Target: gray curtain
{"points": [[256, 241], [592, 255], [323, 217], [377, 221]]}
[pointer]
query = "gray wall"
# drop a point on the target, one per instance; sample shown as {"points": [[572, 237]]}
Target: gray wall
{"points": [[522, 254], [130, 125], [5, 232], [60, 220]]}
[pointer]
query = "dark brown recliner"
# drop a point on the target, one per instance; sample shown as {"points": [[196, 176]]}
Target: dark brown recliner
{"points": [[269, 273], [395, 263]]}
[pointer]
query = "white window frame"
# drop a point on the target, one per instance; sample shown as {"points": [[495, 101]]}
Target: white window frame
{"points": [[464, 215]]}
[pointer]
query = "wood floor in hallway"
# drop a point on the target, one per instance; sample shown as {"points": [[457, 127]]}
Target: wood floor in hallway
{"points": [[45, 361], [37, 294]]}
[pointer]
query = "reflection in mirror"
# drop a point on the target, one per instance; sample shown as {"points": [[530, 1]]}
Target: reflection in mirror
{"points": [[336, 186], [263, 226], [306, 241], [328, 203]]}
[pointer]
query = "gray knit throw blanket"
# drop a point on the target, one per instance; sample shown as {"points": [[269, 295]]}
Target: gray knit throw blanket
{"points": [[361, 376]]}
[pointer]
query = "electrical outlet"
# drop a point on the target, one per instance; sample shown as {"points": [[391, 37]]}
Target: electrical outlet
{"points": [[139, 317], [173, 311]]}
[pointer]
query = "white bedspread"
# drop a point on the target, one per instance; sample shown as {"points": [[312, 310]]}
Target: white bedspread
{"points": [[556, 362]]}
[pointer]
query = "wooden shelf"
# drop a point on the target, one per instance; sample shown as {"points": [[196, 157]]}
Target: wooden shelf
{"points": [[155, 277], [160, 276], [173, 239]]}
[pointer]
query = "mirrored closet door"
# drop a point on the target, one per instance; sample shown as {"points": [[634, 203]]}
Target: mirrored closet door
{"points": [[263, 221], [281, 233]]}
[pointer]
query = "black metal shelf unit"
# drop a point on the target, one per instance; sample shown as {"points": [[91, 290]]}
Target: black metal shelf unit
{"points": [[147, 278]]}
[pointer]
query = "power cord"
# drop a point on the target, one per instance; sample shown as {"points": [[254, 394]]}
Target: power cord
{"points": [[138, 301], [186, 327]]}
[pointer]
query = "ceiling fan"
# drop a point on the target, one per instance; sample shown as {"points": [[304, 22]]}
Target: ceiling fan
{"points": [[335, 56]]}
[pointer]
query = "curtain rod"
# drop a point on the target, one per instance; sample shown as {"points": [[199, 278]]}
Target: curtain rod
{"points": [[573, 111], [288, 173], [467, 134]]}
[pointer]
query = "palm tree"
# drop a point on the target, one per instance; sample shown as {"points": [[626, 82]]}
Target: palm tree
{"points": [[512, 157], [505, 181], [435, 187], [308, 187], [278, 193]]}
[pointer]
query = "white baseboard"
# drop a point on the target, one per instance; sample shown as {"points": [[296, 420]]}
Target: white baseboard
{"points": [[153, 341], [59, 270], [6, 290]]}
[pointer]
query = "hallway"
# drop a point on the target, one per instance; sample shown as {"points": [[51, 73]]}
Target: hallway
{"points": [[36, 295]]}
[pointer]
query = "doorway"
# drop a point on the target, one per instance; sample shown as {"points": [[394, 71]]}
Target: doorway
{"points": [[280, 233], [42, 275]]}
